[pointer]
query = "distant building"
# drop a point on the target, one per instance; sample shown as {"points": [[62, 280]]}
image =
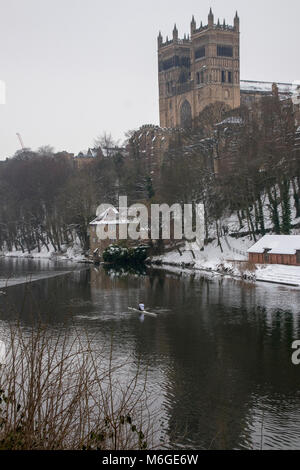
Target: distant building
{"points": [[85, 157], [109, 217], [65, 154], [276, 249], [204, 68], [109, 222], [200, 69], [253, 91]]}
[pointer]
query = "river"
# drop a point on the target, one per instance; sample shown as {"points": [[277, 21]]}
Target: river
{"points": [[218, 354]]}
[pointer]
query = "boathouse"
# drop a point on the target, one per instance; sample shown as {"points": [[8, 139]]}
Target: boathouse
{"points": [[106, 228], [276, 249]]}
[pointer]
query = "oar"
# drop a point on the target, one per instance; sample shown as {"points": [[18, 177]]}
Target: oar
{"points": [[143, 311]]}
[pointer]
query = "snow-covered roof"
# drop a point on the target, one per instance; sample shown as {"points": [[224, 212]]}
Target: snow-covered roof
{"points": [[277, 244], [231, 120], [108, 216], [110, 212], [265, 87], [92, 152], [111, 217], [111, 222]]}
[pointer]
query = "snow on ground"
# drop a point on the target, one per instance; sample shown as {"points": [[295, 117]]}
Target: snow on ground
{"points": [[72, 253], [278, 273], [213, 258], [231, 222], [232, 261]]}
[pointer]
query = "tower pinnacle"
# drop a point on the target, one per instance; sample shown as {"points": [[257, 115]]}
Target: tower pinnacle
{"points": [[237, 22], [159, 40], [193, 25], [175, 33], [210, 18]]}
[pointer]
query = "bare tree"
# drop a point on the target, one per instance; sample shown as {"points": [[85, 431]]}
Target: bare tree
{"points": [[106, 143]]}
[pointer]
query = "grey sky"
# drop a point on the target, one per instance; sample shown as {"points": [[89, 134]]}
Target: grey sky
{"points": [[74, 68]]}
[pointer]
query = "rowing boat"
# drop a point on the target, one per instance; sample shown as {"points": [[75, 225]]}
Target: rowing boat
{"points": [[143, 312]]}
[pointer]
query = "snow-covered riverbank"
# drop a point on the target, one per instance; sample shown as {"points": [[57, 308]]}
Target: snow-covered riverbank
{"points": [[71, 253], [231, 260]]}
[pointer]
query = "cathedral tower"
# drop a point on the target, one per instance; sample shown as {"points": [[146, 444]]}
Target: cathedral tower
{"points": [[200, 69]]}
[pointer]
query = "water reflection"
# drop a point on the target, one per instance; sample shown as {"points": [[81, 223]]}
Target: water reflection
{"points": [[219, 353]]}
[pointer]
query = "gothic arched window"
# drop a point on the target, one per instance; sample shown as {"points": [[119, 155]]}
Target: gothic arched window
{"points": [[186, 114]]}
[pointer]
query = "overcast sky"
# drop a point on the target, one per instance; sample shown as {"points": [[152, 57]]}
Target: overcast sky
{"points": [[76, 68]]}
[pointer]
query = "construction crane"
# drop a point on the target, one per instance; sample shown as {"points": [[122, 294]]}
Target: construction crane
{"points": [[21, 141]]}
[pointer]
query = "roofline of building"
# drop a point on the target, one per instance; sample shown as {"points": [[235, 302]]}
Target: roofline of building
{"points": [[266, 83]]}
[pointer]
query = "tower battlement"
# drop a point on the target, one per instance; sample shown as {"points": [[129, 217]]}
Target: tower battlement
{"points": [[200, 69], [168, 42]]}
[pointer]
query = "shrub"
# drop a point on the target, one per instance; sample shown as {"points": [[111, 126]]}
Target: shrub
{"points": [[61, 391], [116, 254]]}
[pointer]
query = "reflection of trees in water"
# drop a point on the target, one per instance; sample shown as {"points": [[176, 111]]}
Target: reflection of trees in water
{"points": [[137, 269], [219, 351], [221, 347]]}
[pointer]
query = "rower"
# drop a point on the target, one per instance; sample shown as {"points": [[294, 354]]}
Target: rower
{"points": [[142, 315]]}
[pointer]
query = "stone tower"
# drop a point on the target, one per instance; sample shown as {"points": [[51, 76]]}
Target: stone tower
{"points": [[200, 69]]}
